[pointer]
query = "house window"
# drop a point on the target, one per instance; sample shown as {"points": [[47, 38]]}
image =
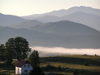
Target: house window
{"points": [[25, 70], [24, 65], [28, 65]]}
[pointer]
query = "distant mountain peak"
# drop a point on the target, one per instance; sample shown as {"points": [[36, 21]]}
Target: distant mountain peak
{"points": [[6, 20], [1, 14]]}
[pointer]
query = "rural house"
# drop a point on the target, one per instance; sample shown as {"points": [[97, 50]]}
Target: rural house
{"points": [[23, 67]]}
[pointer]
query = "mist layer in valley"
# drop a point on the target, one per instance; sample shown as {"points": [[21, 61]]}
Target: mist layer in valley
{"points": [[50, 51]]}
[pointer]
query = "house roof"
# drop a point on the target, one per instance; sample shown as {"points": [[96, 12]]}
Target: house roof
{"points": [[21, 63]]}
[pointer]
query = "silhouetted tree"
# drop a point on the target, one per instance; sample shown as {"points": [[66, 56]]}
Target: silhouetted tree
{"points": [[2, 49], [36, 71], [8, 55], [11, 43], [19, 47], [34, 58]]}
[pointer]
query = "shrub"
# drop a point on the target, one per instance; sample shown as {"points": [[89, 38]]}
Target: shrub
{"points": [[14, 62], [84, 54], [67, 68], [49, 67], [59, 68], [75, 72], [86, 64]]}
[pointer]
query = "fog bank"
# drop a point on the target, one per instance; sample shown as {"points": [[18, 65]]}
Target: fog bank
{"points": [[48, 51]]}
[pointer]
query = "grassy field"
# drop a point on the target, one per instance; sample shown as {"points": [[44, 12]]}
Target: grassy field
{"points": [[6, 69], [64, 65], [70, 64]]}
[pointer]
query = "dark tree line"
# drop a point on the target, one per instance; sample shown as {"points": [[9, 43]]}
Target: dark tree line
{"points": [[2, 50], [14, 48], [18, 48]]}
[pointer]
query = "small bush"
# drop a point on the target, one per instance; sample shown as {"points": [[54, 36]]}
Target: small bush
{"points": [[75, 72], [67, 68], [63, 68], [84, 54], [59, 68], [86, 64], [14, 62], [49, 67]]}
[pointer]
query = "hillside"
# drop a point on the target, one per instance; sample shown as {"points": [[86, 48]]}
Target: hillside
{"points": [[88, 19], [56, 34], [26, 24], [65, 27], [84, 64], [48, 18], [6, 20]]}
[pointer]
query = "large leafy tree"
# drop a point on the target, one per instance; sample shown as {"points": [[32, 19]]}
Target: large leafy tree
{"points": [[2, 49], [19, 47], [34, 59], [11, 43], [8, 55]]}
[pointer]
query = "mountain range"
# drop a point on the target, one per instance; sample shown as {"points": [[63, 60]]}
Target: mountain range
{"points": [[64, 12], [77, 27], [84, 15], [79, 17], [56, 34]]}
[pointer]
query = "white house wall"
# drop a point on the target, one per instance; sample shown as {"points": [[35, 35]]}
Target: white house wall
{"points": [[18, 70]]}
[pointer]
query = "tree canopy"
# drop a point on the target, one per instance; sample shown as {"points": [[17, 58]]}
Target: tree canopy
{"points": [[2, 49], [8, 55], [19, 47], [34, 58]]}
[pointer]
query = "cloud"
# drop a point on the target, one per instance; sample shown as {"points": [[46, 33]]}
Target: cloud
{"points": [[60, 50]]}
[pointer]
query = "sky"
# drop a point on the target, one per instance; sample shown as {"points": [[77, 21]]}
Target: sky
{"points": [[30, 7]]}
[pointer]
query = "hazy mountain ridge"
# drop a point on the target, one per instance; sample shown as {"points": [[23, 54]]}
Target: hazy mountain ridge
{"points": [[76, 14], [90, 20], [74, 36], [48, 18], [6, 20], [63, 12], [84, 15], [65, 27], [26, 24]]}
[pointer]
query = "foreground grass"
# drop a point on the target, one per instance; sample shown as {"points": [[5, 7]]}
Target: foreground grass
{"points": [[84, 64], [6, 69]]}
